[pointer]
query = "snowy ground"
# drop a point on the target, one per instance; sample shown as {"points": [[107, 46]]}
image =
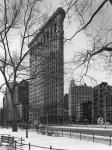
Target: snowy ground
{"points": [[64, 143]]}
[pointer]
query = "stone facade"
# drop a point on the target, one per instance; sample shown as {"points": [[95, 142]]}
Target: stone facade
{"points": [[102, 96], [79, 97], [21, 100], [46, 70]]}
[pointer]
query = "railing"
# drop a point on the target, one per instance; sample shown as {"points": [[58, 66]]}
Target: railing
{"points": [[82, 135], [79, 134], [19, 144], [30, 146]]}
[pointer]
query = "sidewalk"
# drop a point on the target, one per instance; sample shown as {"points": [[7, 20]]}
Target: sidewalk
{"points": [[56, 142]]}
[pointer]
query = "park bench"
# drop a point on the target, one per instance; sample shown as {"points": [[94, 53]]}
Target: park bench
{"points": [[7, 140]]}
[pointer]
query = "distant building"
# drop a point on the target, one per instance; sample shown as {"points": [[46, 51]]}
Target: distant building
{"points": [[79, 98], [4, 109], [65, 112], [1, 116], [86, 116], [21, 100], [102, 95], [46, 61]]}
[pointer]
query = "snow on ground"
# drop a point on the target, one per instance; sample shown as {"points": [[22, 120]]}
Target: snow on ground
{"points": [[56, 142]]}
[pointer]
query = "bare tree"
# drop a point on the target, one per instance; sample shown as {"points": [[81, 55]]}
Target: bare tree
{"points": [[19, 21], [94, 20]]}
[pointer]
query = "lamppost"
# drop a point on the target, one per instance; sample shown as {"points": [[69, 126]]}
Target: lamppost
{"points": [[47, 121], [24, 117], [26, 130], [92, 108], [105, 114]]}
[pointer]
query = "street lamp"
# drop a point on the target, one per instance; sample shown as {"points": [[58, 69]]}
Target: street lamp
{"points": [[47, 121], [105, 114], [26, 130], [92, 108], [23, 117]]}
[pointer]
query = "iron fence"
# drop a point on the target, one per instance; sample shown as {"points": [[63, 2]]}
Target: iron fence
{"points": [[19, 144], [90, 136]]}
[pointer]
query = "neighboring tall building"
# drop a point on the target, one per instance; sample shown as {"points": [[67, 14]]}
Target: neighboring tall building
{"points": [[102, 95], [23, 101], [21, 98], [79, 97], [46, 61]]}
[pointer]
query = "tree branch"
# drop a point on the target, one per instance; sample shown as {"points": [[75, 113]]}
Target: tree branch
{"points": [[90, 20]]}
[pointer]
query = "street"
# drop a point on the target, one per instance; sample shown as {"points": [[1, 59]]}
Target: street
{"points": [[89, 131]]}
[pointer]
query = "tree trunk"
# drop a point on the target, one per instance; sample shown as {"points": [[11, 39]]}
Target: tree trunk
{"points": [[14, 114], [14, 123]]}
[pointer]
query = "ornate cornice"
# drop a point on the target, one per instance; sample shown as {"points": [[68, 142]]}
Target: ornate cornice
{"points": [[59, 10]]}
